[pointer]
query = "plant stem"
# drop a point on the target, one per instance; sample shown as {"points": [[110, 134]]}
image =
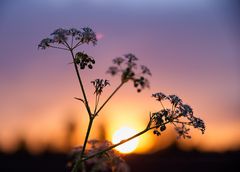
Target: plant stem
{"points": [[58, 47], [115, 145], [95, 109], [81, 85], [79, 160], [124, 141], [162, 105], [109, 98], [77, 44]]}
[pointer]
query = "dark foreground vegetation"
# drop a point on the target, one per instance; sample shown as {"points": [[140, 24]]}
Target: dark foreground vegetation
{"points": [[171, 160]]}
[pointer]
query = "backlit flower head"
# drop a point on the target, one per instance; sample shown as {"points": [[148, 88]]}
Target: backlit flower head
{"points": [[108, 161], [175, 100], [88, 36], [180, 115], [159, 96], [99, 84], [183, 132], [83, 60], [129, 70], [185, 110], [69, 38]]}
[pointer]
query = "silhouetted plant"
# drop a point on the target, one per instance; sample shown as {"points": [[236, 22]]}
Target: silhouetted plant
{"points": [[101, 155]]}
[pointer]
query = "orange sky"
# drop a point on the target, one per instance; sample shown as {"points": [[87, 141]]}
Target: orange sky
{"points": [[192, 51]]}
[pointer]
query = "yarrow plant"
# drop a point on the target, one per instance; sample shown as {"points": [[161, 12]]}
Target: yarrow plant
{"points": [[95, 155]]}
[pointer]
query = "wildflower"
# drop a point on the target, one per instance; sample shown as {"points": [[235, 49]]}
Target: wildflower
{"points": [[127, 67], [181, 117], [118, 61], [88, 36], [127, 74], [163, 127], [157, 118], [183, 132], [141, 83], [45, 43], [159, 96], [60, 31], [62, 36], [84, 60], [74, 32], [156, 132], [131, 57], [145, 70], [185, 110], [113, 70], [198, 123], [108, 161], [99, 84], [175, 100]]}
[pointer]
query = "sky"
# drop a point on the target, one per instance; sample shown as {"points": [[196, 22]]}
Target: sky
{"points": [[191, 47]]}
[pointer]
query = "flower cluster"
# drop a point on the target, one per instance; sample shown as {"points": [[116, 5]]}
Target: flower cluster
{"points": [[159, 96], [69, 38], [127, 67], [180, 115], [99, 84], [108, 161], [84, 60], [183, 132]]}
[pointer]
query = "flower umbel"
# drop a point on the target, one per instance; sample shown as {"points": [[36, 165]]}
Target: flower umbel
{"points": [[159, 96], [180, 115], [83, 60], [108, 161], [69, 38], [99, 84], [127, 67]]}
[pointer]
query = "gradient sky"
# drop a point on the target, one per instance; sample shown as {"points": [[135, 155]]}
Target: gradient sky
{"points": [[191, 47]]}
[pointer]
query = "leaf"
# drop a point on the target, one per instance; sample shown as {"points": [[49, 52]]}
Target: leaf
{"points": [[79, 99]]}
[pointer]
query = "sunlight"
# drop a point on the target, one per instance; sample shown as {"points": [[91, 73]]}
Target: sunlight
{"points": [[124, 133]]}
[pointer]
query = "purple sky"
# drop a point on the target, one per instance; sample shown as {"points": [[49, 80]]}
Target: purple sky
{"points": [[191, 47]]}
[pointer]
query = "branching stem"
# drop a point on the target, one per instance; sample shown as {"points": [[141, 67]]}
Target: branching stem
{"points": [[115, 145], [109, 98], [79, 160], [81, 85], [124, 141]]}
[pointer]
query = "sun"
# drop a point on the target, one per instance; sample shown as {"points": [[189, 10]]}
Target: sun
{"points": [[124, 133]]}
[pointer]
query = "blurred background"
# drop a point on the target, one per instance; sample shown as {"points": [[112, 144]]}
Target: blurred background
{"points": [[191, 47]]}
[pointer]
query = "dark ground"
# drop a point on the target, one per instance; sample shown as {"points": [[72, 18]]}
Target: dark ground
{"points": [[170, 160]]}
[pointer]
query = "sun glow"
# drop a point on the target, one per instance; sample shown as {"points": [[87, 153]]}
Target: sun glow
{"points": [[124, 133]]}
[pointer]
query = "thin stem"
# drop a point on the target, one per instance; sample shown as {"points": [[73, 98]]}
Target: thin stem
{"points": [[96, 103], [95, 109], [185, 123], [79, 160], [66, 44], [156, 126], [162, 105], [58, 47], [109, 98], [115, 145], [124, 141], [77, 44], [72, 41], [81, 85]]}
